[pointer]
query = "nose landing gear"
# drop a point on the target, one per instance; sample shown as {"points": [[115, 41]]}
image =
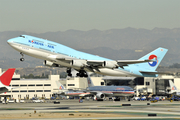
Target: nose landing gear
{"points": [[22, 59]]}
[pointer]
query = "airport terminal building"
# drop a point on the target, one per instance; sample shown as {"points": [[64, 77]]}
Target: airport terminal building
{"points": [[145, 85], [45, 88]]}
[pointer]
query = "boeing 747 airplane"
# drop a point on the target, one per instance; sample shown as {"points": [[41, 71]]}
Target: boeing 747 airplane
{"points": [[58, 55]]}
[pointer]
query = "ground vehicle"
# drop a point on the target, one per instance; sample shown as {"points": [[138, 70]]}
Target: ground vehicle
{"points": [[52, 98], [11, 101], [153, 100], [175, 98], [38, 101], [3, 102], [139, 98], [22, 101]]}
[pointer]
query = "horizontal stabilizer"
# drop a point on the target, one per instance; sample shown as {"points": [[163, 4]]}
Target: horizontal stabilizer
{"points": [[126, 62], [153, 73]]}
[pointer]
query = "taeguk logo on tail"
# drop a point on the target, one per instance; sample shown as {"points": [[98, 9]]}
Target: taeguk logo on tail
{"points": [[154, 63]]}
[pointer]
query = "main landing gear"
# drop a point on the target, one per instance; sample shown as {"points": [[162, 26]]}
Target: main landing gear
{"points": [[69, 72], [22, 59], [82, 73]]}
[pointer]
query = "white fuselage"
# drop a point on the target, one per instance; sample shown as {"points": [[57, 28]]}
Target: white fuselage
{"points": [[51, 56]]}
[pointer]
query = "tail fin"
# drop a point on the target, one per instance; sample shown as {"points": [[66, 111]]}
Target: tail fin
{"points": [[156, 55], [60, 86], [172, 86], [7, 76], [90, 83]]}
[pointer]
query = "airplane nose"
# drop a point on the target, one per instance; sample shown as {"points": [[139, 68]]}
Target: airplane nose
{"points": [[9, 41]]}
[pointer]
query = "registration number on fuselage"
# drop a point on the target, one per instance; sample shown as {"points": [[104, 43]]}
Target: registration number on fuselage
{"points": [[25, 48]]}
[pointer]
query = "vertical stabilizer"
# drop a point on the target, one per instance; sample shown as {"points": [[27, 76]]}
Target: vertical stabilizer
{"points": [[157, 55], [60, 86], [7, 76], [172, 86], [90, 83]]}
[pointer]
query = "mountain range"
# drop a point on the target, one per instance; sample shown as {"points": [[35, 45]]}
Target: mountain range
{"points": [[118, 44]]}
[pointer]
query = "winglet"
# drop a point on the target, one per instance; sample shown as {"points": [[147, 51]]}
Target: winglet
{"points": [[7, 76]]}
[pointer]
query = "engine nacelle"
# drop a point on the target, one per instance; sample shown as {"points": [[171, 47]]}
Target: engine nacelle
{"points": [[110, 64], [78, 63], [50, 64], [100, 96]]}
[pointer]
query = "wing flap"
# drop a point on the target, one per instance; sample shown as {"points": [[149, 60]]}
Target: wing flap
{"points": [[64, 59], [95, 62]]}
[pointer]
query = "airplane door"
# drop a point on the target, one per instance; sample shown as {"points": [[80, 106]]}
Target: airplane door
{"points": [[53, 50]]}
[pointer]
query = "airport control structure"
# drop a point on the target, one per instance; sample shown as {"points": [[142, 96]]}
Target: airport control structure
{"points": [[45, 88]]}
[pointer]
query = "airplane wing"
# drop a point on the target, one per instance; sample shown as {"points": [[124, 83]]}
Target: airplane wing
{"points": [[107, 93], [95, 64], [58, 57], [3, 89], [85, 94], [114, 64], [102, 92]]}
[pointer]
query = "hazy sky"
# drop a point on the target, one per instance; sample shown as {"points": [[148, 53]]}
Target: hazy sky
{"points": [[41, 16]]}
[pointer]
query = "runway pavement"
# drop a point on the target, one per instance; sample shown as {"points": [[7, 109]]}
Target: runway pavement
{"points": [[72, 109]]}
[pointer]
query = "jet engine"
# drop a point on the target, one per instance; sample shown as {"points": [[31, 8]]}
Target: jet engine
{"points": [[50, 64], [110, 64], [78, 63], [100, 96]]}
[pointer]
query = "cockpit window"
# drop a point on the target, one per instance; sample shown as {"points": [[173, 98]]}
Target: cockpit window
{"points": [[22, 36]]}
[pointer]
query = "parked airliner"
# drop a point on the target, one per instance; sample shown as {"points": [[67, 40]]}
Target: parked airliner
{"points": [[100, 92], [174, 89], [71, 92], [58, 55], [5, 80]]}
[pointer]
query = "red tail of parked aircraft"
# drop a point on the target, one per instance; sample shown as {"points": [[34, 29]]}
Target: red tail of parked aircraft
{"points": [[5, 80]]}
